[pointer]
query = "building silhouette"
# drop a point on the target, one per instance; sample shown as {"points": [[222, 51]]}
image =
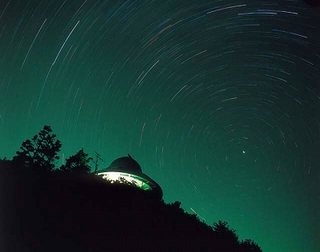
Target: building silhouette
{"points": [[126, 170]]}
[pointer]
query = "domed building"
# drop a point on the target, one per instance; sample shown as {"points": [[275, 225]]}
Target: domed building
{"points": [[126, 170]]}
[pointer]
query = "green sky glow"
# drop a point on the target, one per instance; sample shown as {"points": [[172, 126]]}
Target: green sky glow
{"points": [[218, 101]]}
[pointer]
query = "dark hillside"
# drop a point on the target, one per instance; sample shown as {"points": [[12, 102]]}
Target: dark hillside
{"points": [[55, 211]]}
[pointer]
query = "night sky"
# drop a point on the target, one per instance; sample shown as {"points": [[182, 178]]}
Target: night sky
{"points": [[219, 101]]}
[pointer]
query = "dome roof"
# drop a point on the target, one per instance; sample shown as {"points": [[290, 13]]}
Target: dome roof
{"points": [[127, 164]]}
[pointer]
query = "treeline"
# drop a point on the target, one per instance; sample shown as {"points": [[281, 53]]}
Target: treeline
{"points": [[40, 154], [67, 208]]}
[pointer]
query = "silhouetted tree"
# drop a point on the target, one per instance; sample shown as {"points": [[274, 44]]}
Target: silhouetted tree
{"points": [[176, 204], [78, 163], [39, 152], [249, 246], [176, 207], [4, 163], [228, 237], [122, 180]]}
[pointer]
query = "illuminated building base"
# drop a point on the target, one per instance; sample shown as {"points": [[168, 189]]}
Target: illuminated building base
{"points": [[126, 170]]}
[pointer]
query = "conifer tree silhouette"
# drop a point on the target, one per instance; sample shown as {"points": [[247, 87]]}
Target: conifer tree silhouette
{"points": [[78, 163], [249, 245], [41, 152]]}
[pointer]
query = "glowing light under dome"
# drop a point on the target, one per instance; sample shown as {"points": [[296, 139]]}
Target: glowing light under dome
{"points": [[118, 177], [126, 170]]}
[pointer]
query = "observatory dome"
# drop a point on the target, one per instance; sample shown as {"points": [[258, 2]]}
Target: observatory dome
{"points": [[126, 163], [127, 170]]}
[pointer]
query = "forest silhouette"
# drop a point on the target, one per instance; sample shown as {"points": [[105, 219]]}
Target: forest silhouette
{"points": [[67, 208]]}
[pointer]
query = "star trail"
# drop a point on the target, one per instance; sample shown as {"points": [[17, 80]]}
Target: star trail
{"points": [[219, 101]]}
